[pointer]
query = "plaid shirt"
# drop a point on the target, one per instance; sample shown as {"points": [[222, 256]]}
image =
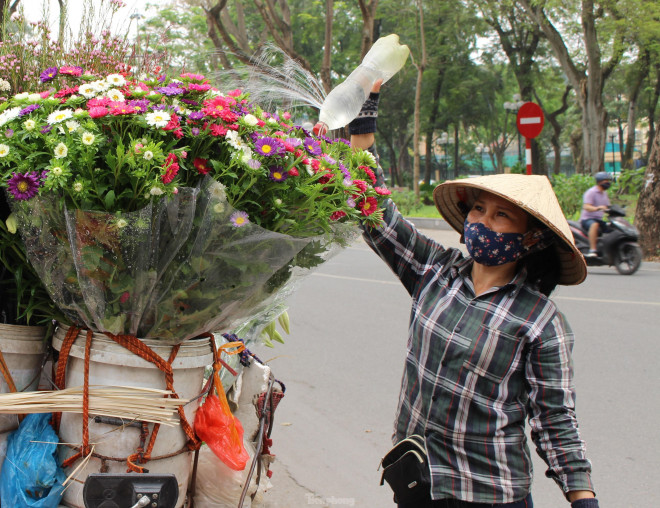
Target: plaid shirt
{"points": [[476, 367]]}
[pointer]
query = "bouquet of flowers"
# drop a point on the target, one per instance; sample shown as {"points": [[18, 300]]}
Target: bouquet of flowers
{"points": [[163, 208]]}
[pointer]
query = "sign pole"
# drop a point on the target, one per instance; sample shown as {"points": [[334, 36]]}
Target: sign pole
{"points": [[530, 122], [528, 155]]}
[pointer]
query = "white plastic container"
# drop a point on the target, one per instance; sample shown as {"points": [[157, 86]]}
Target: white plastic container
{"points": [[113, 365], [23, 348], [385, 58]]}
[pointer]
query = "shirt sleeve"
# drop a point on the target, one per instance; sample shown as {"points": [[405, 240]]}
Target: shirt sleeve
{"points": [[406, 251], [552, 399]]}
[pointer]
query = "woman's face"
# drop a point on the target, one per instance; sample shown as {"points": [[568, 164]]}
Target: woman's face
{"points": [[498, 214]]}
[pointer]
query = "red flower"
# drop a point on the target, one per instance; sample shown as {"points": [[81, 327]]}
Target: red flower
{"points": [[65, 92], [337, 215], [326, 177], [369, 173], [293, 172], [170, 173], [361, 185], [218, 130], [368, 206], [316, 164], [382, 191], [172, 124], [201, 165], [124, 297]]}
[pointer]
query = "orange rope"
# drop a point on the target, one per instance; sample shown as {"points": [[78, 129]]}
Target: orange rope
{"points": [[6, 374]]}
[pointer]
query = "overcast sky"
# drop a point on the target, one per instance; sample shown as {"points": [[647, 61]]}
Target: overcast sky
{"points": [[75, 10]]}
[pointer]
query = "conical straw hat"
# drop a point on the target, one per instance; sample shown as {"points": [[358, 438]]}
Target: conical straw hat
{"points": [[532, 193]]}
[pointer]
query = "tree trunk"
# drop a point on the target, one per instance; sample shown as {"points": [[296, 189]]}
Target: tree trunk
{"points": [[368, 10], [326, 78], [651, 112], [648, 205], [421, 66], [589, 85]]}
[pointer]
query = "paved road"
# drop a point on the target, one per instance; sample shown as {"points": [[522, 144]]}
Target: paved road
{"points": [[342, 366]]}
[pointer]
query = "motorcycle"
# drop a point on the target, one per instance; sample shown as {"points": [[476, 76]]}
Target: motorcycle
{"points": [[617, 246]]}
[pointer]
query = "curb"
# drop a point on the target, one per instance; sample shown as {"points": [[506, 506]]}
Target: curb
{"points": [[430, 223]]}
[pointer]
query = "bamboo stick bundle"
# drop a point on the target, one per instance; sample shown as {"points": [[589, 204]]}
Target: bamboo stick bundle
{"points": [[124, 402]]}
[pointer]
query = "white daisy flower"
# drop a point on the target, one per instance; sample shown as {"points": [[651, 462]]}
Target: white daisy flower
{"points": [[57, 171], [78, 187], [5, 86], [59, 116], [88, 90], [156, 191], [8, 115], [115, 95], [250, 119], [34, 97], [100, 85], [272, 121], [72, 125], [61, 150], [158, 118], [21, 96], [115, 80], [29, 125], [88, 138], [219, 207], [4, 150], [121, 223], [218, 191], [148, 155]]}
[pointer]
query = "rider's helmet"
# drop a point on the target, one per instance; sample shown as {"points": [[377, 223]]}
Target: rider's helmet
{"points": [[602, 176]]}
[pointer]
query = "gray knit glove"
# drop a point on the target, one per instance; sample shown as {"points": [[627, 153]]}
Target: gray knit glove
{"points": [[589, 502], [365, 122]]}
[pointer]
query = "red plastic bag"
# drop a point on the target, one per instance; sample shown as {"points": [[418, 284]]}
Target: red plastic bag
{"points": [[217, 426], [222, 431]]}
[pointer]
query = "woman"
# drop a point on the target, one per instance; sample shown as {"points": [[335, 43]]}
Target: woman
{"points": [[486, 348]]}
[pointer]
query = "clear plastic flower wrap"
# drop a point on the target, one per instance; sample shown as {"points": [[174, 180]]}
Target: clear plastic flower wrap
{"points": [[170, 271]]}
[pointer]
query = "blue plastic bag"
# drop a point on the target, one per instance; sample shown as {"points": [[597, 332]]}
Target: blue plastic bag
{"points": [[31, 476]]}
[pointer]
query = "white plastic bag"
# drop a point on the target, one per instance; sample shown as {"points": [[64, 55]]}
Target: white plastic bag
{"points": [[220, 486]]}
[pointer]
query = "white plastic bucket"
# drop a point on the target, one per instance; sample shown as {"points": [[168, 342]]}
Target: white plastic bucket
{"points": [[23, 349], [112, 365]]}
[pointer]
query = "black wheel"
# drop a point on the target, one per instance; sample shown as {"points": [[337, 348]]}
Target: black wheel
{"points": [[628, 258]]}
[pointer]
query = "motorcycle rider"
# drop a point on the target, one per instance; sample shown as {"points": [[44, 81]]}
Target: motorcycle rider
{"points": [[595, 203]]}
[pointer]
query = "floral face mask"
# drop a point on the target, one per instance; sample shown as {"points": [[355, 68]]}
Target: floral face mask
{"points": [[490, 248]]}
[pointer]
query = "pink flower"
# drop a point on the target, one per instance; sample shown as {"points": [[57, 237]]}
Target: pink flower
{"points": [[98, 112]]}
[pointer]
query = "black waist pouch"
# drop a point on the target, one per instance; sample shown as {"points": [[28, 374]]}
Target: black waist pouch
{"points": [[406, 470]]}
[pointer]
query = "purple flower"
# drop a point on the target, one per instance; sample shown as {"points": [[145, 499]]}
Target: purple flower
{"points": [[277, 174], [196, 115], [190, 101], [9, 133], [28, 110], [312, 146], [194, 131], [269, 146], [48, 75], [140, 105], [294, 141], [46, 129], [350, 202], [254, 164], [23, 187], [329, 159], [239, 219]]}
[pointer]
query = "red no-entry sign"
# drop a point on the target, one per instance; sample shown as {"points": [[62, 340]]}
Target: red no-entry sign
{"points": [[530, 120]]}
